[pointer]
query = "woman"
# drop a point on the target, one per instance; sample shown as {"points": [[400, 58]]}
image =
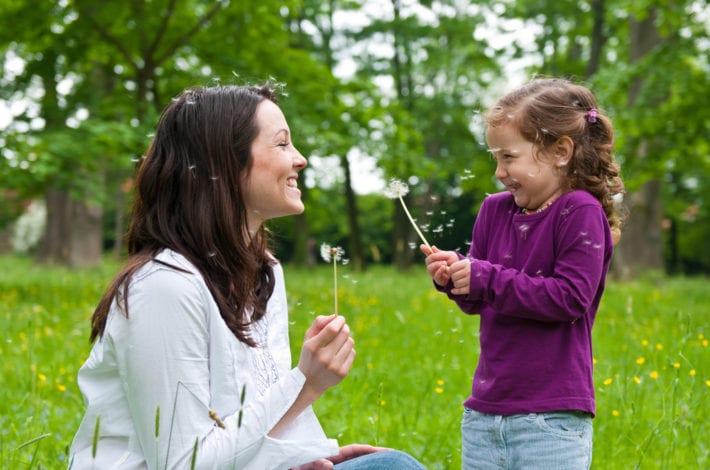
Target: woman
{"points": [[192, 362]]}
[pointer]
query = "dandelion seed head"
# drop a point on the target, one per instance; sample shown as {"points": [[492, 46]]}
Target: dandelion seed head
{"points": [[331, 253], [396, 189]]}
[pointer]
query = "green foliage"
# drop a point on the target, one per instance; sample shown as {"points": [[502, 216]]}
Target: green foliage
{"points": [[415, 357]]}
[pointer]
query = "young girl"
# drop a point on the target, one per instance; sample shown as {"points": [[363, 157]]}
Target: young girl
{"points": [[535, 273]]}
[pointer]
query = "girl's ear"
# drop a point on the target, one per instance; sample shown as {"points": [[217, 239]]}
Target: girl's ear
{"points": [[562, 150]]}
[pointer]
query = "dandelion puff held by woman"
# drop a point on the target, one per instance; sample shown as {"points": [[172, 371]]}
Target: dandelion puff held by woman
{"points": [[535, 273], [198, 314]]}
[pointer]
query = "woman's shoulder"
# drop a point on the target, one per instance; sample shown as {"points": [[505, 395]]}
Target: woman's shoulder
{"points": [[169, 272]]}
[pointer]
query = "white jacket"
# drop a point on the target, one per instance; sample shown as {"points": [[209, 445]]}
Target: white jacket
{"points": [[175, 353]]}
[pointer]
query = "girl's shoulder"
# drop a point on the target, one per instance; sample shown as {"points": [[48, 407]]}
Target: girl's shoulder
{"points": [[578, 198], [502, 200]]}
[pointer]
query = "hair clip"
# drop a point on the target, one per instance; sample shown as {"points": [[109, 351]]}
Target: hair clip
{"points": [[592, 115]]}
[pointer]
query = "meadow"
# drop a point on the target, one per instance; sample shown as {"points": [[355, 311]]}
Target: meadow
{"points": [[415, 357]]}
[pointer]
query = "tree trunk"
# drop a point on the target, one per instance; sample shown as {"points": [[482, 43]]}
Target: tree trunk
{"points": [[355, 243], [641, 246], [85, 234], [53, 249], [73, 231]]}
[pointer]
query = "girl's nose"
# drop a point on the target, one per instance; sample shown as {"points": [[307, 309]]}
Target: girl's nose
{"points": [[500, 171]]}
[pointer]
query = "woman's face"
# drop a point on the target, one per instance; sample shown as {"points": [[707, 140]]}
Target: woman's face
{"points": [[270, 187]]}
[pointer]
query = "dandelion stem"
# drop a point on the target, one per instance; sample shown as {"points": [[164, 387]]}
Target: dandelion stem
{"points": [[335, 284], [406, 211]]}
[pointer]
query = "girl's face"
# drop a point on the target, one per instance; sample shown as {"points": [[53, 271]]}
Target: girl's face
{"points": [[270, 187], [533, 177]]}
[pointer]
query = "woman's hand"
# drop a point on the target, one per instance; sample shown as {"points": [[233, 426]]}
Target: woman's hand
{"points": [[438, 263], [346, 453], [327, 354]]}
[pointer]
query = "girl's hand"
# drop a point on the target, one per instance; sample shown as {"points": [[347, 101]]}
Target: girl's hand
{"points": [[438, 264], [327, 353], [460, 273]]}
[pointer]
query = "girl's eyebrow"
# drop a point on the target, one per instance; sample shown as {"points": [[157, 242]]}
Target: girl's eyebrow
{"points": [[503, 150]]}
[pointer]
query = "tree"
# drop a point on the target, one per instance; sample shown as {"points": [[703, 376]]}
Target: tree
{"points": [[642, 59], [439, 68], [116, 57]]}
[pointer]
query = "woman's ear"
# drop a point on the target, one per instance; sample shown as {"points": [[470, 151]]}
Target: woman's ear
{"points": [[562, 150]]}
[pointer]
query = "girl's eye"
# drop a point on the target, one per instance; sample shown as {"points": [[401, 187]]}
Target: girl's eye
{"points": [[283, 144]]}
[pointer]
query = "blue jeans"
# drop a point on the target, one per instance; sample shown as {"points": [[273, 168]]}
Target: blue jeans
{"points": [[384, 460], [551, 441]]}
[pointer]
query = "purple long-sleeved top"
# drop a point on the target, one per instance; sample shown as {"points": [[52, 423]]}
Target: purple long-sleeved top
{"points": [[536, 280]]}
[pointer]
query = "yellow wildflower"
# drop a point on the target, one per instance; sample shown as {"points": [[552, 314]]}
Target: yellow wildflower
{"points": [[608, 381], [640, 360], [42, 377], [692, 372], [439, 390], [653, 375], [615, 413], [644, 342], [676, 365], [637, 380], [659, 346]]}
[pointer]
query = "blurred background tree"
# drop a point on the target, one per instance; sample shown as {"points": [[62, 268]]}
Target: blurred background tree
{"points": [[374, 90]]}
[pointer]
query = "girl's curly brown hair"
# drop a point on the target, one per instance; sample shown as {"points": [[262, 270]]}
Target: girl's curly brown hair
{"points": [[546, 109]]}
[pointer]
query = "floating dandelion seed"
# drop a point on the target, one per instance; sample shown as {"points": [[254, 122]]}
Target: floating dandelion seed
{"points": [[397, 190], [333, 254]]}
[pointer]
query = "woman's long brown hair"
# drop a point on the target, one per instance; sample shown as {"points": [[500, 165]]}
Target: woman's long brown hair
{"points": [[189, 199]]}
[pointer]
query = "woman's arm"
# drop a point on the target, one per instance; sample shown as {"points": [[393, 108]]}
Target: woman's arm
{"points": [[163, 351]]}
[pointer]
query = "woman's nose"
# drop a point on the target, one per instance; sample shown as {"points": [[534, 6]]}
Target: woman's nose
{"points": [[299, 161]]}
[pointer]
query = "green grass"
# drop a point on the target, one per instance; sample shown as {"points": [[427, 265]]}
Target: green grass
{"points": [[415, 357]]}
